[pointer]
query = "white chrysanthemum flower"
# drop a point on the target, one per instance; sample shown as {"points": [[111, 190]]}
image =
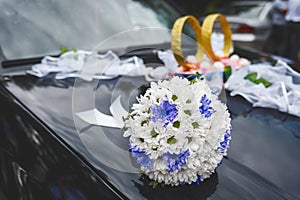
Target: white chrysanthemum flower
{"points": [[179, 131]]}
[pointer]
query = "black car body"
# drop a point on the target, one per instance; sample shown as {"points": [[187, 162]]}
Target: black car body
{"points": [[44, 156]]}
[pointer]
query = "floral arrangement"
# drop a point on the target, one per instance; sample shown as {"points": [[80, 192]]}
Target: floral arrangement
{"points": [[235, 61], [179, 131]]}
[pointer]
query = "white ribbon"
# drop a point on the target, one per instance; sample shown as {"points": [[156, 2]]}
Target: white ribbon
{"points": [[95, 117]]}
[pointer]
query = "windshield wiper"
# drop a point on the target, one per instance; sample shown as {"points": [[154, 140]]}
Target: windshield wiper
{"points": [[24, 61]]}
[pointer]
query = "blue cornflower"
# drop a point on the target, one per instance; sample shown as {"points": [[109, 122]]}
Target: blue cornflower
{"points": [[205, 108], [164, 112], [198, 180], [141, 157], [219, 164], [225, 143], [175, 161]]}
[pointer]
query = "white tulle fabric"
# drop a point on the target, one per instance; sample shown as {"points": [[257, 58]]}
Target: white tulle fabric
{"points": [[283, 94], [88, 65]]}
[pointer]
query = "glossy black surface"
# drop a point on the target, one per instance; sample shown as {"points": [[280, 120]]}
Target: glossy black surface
{"points": [[35, 164], [263, 160]]}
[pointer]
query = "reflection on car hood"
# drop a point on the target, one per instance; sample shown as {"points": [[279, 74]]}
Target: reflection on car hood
{"points": [[236, 21], [262, 162]]}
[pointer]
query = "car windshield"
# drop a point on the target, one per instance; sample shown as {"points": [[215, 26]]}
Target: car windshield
{"points": [[31, 28], [243, 11]]}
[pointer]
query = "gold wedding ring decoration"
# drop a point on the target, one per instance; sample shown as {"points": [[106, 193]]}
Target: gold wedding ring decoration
{"points": [[202, 37]]}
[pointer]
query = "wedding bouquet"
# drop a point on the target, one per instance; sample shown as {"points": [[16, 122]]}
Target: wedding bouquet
{"points": [[179, 131]]}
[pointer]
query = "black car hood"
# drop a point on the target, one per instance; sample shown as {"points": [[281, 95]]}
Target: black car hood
{"points": [[263, 160]]}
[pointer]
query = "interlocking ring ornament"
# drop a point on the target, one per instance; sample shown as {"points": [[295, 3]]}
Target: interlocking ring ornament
{"points": [[176, 39], [203, 38]]}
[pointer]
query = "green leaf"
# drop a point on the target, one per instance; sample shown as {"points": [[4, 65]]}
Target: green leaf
{"points": [[157, 100], [141, 139], [174, 97], [171, 140], [187, 112], [227, 73], [176, 124], [154, 133], [253, 78], [125, 118], [76, 57], [193, 78], [63, 49], [264, 82], [154, 184], [195, 125], [124, 129], [193, 81], [190, 139], [188, 101], [143, 122]]}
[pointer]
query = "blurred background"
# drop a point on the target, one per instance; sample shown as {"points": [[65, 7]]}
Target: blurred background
{"points": [[251, 21], [32, 28], [200, 7], [259, 25]]}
